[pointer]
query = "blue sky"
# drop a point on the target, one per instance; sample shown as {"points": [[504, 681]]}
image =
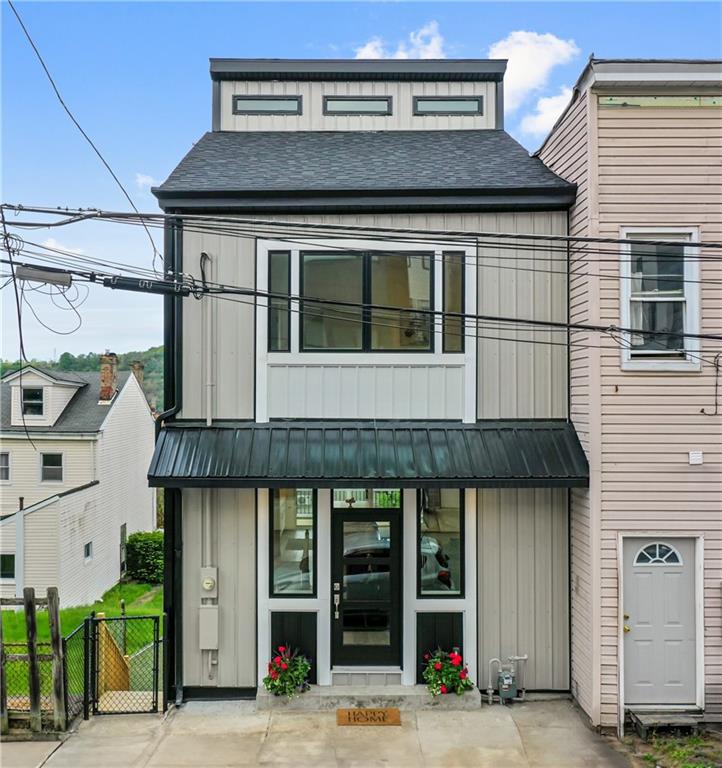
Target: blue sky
{"points": [[136, 76]]}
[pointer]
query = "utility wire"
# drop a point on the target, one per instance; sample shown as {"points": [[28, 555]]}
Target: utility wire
{"points": [[156, 254]]}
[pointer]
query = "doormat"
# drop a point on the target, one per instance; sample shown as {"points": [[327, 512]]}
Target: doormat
{"points": [[367, 716]]}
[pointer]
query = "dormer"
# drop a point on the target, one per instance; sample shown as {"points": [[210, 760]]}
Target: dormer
{"points": [[38, 397], [357, 95]]}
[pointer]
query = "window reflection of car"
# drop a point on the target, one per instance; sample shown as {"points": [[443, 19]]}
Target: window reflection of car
{"points": [[370, 580]]}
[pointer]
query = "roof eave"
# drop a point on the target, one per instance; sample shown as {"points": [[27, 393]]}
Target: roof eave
{"points": [[358, 69]]}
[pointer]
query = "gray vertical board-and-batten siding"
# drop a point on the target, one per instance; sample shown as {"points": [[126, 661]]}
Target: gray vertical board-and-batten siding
{"points": [[232, 546], [517, 378]]}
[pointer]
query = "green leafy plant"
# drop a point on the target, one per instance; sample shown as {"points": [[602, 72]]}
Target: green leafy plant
{"points": [[144, 557], [287, 672], [445, 672]]}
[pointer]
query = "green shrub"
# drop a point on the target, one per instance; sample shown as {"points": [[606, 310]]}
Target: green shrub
{"points": [[144, 555]]}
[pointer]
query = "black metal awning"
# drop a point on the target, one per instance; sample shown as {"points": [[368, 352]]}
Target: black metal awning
{"points": [[370, 454]]}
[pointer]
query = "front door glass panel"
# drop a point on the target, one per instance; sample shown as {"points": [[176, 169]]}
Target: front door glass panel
{"points": [[366, 587]]}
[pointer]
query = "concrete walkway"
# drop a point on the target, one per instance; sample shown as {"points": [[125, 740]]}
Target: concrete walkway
{"points": [[207, 735]]}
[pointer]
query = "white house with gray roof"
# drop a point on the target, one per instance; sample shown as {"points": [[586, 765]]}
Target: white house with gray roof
{"points": [[74, 449]]}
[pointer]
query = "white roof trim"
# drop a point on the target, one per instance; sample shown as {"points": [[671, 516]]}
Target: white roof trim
{"points": [[31, 369]]}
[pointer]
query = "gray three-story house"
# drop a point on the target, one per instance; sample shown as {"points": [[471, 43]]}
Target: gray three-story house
{"points": [[365, 455]]}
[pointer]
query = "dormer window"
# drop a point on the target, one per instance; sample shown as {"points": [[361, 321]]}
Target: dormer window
{"points": [[32, 401], [267, 105], [448, 105], [357, 105]]}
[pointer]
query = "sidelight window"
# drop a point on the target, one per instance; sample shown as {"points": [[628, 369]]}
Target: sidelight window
{"points": [[441, 543], [279, 307], [293, 542], [453, 326]]}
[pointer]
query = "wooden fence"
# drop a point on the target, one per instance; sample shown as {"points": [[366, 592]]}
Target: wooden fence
{"points": [[30, 705]]}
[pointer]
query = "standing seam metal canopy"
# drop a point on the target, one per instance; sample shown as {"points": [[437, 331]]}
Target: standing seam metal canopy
{"points": [[370, 454]]}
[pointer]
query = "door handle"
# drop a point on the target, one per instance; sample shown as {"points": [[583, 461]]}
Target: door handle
{"points": [[336, 603], [626, 628]]}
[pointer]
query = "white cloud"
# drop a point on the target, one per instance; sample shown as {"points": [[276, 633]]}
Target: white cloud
{"points": [[51, 242], [532, 57], [144, 182], [424, 43], [546, 112]]}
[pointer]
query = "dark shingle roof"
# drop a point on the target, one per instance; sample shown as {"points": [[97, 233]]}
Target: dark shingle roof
{"points": [[362, 454], [365, 161], [82, 413]]}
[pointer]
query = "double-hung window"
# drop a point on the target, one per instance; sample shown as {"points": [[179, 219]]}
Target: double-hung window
{"points": [[660, 301], [32, 401], [367, 301], [4, 466], [51, 467]]}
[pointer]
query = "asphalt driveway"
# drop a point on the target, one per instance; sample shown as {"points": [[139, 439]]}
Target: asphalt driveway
{"points": [[207, 735]]}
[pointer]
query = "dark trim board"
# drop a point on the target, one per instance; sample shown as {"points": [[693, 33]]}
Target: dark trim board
{"points": [[209, 693], [358, 69], [222, 202]]}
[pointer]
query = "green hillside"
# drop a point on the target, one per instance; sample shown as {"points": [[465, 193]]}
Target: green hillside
{"points": [[152, 359]]}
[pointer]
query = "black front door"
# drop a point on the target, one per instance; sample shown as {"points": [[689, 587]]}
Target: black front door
{"points": [[366, 587]]}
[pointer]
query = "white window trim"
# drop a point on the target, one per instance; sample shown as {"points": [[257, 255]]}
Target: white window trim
{"points": [[62, 468], [10, 470], [691, 295], [26, 416], [295, 357]]}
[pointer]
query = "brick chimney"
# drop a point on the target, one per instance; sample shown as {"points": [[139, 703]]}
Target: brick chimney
{"points": [[137, 367], [108, 376]]}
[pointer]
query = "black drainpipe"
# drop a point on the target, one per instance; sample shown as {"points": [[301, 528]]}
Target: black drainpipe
{"points": [[173, 507]]}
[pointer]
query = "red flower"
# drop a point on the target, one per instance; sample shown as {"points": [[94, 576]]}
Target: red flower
{"points": [[462, 674], [442, 688], [274, 674], [426, 657], [284, 665], [437, 666], [456, 660], [270, 666], [281, 648], [277, 660]]}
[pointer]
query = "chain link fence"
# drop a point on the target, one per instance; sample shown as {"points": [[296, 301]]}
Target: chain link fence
{"points": [[125, 664], [17, 677], [74, 667]]}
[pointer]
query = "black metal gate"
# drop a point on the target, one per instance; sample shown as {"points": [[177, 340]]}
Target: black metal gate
{"points": [[124, 664]]}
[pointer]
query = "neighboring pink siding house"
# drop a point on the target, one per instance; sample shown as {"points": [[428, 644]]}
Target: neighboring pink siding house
{"points": [[643, 142]]}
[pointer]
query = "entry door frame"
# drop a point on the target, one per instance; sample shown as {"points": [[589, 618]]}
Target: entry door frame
{"points": [[698, 538], [396, 568]]}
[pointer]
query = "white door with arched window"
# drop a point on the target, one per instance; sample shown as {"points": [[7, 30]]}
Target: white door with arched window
{"points": [[659, 621]]}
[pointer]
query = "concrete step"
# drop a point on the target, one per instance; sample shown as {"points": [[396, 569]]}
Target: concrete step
{"points": [[406, 697]]}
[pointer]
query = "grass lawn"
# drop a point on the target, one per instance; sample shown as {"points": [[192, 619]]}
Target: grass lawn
{"points": [[668, 751], [140, 600]]}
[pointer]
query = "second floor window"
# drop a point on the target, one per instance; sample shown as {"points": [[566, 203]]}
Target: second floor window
{"points": [[279, 309], [4, 466], [32, 401], [7, 566], [51, 467], [660, 299], [348, 296]]}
